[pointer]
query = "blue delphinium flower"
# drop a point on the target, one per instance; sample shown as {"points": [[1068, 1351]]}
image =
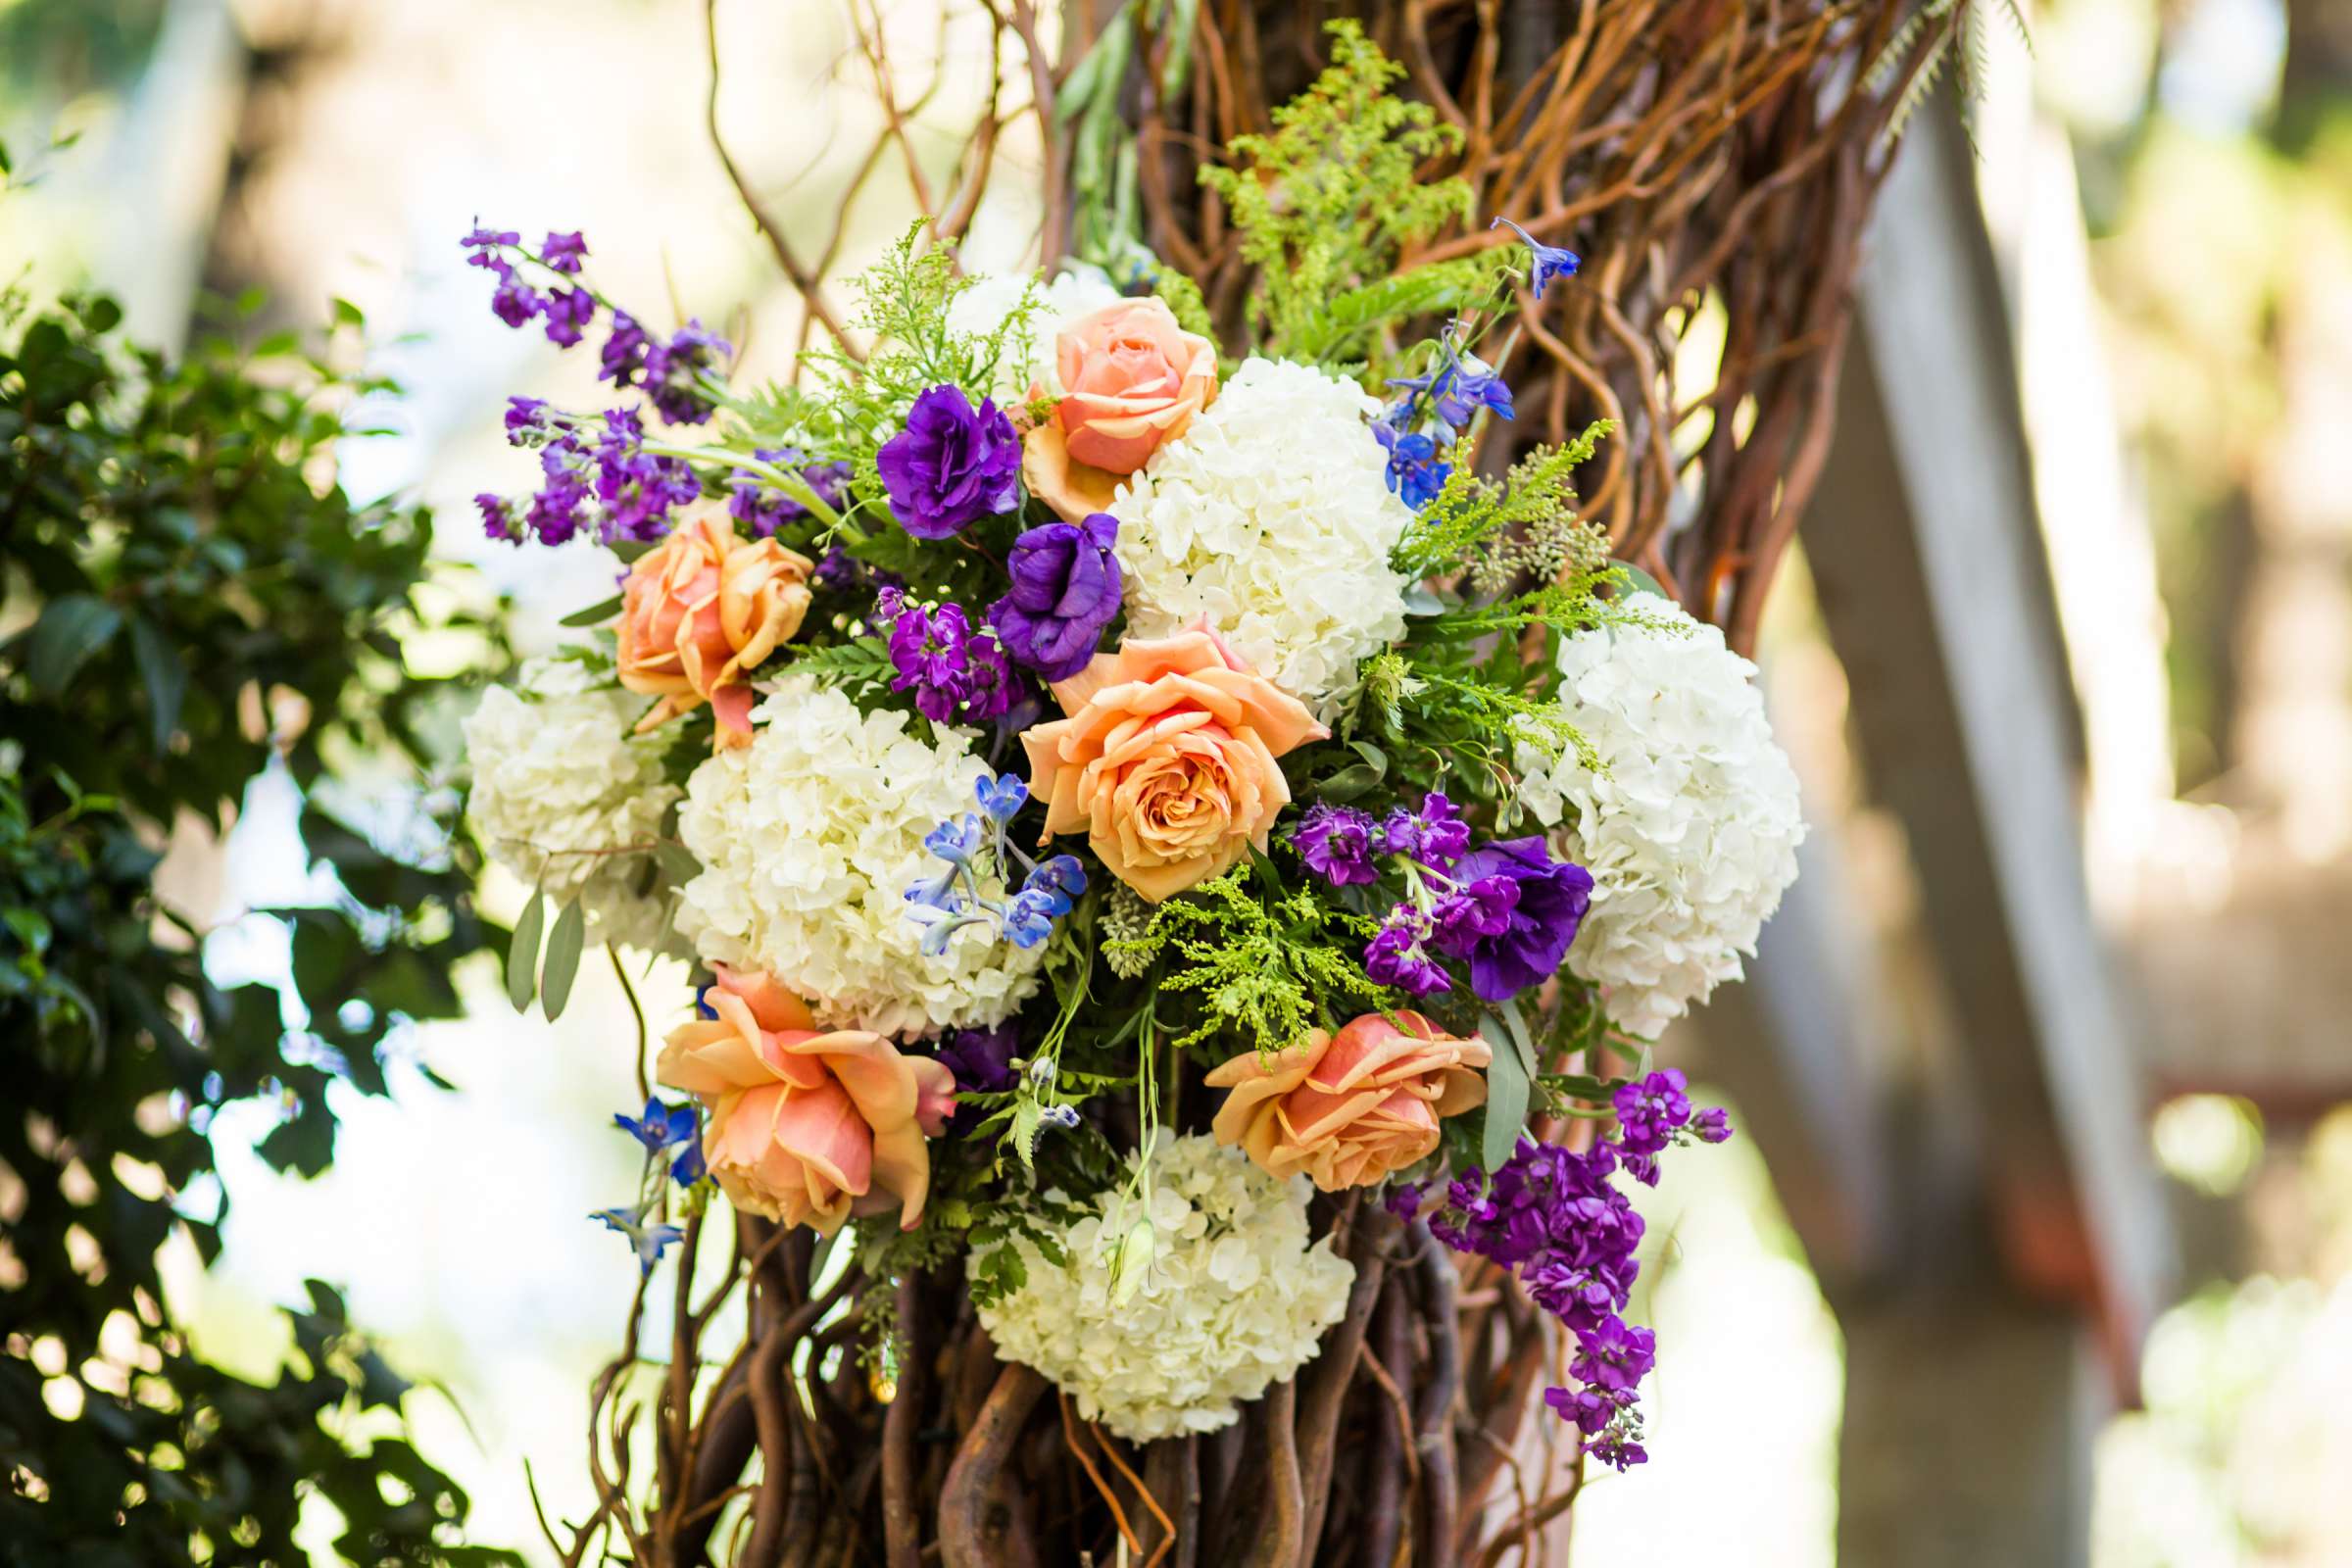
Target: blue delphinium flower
{"points": [[649, 1240], [1002, 797], [1415, 474], [975, 846], [1547, 262], [660, 1127]]}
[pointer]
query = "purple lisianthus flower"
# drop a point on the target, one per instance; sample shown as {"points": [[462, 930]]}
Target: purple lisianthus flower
{"points": [[1434, 835], [982, 1058], [1065, 589], [1335, 843], [1553, 896], [952, 466], [562, 253], [1396, 957]]}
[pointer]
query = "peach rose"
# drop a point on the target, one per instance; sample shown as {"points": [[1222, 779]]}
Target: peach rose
{"points": [[699, 611], [1351, 1108], [807, 1125], [1131, 379], [1167, 758]]}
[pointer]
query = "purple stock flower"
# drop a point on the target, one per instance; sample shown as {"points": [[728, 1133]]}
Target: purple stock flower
{"points": [[623, 357], [514, 301], [1434, 835], [1474, 913], [1065, 589], [954, 674], [762, 508], [569, 313], [527, 421], [486, 240], [1395, 957], [637, 488], [562, 253], [1712, 1125], [1615, 1355], [952, 466], [1335, 843], [673, 370], [497, 521], [1553, 896]]}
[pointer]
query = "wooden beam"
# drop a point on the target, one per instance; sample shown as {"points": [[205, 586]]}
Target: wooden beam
{"points": [[1926, 554]]}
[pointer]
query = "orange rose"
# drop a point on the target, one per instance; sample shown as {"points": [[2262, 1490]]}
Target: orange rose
{"points": [[1351, 1108], [806, 1126], [1167, 758], [699, 611], [1132, 379]]}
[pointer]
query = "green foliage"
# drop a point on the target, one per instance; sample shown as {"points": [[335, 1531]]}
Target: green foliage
{"points": [[1326, 202], [196, 602], [1532, 513], [1260, 964]]}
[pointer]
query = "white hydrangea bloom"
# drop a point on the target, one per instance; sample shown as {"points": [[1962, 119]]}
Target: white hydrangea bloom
{"points": [[981, 307], [1690, 834], [1271, 517], [808, 838], [1168, 1332], [555, 773]]}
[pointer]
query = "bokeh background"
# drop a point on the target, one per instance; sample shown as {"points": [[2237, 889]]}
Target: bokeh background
{"points": [[2167, 185]]}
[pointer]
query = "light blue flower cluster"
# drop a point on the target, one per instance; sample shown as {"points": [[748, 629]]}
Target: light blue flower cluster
{"points": [[974, 845]]}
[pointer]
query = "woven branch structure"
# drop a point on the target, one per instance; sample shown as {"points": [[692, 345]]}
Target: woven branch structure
{"points": [[1714, 161]]}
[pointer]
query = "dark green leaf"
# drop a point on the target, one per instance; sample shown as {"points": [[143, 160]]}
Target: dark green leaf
{"points": [[564, 945], [71, 629], [522, 953], [166, 675]]}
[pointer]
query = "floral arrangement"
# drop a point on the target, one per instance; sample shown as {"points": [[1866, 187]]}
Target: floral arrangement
{"points": [[1137, 810]]}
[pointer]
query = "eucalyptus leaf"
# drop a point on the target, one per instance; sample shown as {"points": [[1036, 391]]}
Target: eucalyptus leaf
{"points": [[1506, 1094], [523, 955], [1643, 582], [563, 945], [1349, 782], [595, 614]]}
